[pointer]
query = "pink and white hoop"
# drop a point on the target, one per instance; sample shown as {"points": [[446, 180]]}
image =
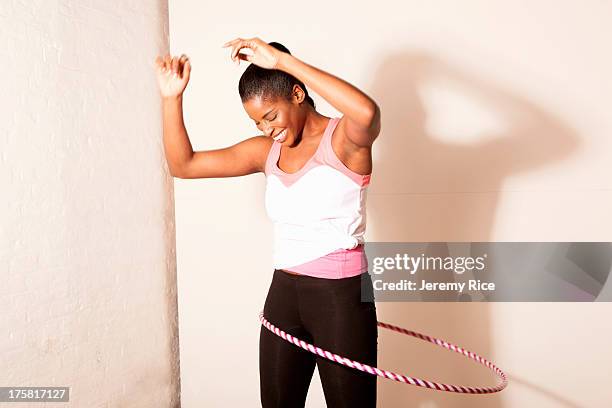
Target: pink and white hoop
{"points": [[394, 376]]}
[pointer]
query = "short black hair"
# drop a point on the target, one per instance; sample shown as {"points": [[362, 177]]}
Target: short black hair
{"points": [[269, 83]]}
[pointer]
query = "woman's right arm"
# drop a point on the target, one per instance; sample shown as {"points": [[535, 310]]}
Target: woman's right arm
{"points": [[245, 157]]}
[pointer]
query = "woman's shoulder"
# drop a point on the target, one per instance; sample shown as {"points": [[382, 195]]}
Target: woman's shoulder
{"points": [[262, 146]]}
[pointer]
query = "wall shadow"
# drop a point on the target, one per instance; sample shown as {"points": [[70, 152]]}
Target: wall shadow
{"points": [[425, 189], [560, 401]]}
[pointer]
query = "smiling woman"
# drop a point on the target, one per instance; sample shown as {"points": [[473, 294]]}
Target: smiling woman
{"points": [[317, 172]]}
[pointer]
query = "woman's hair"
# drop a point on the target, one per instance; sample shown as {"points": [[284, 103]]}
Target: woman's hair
{"points": [[269, 83]]}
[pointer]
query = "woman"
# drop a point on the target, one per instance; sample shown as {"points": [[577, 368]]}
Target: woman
{"points": [[317, 170]]}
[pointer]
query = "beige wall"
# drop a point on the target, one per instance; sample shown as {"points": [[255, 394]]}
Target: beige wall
{"points": [[87, 257], [494, 128]]}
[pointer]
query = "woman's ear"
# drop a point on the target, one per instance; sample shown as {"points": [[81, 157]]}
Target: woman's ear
{"points": [[298, 94]]}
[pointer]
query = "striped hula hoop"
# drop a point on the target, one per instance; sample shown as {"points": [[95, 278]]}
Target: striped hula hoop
{"points": [[394, 376]]}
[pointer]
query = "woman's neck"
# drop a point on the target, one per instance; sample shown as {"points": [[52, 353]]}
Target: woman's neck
{"points": [[314, 124]]}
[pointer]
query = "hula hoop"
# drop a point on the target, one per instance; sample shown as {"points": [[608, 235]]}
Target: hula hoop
{"points": [[394, 376]]}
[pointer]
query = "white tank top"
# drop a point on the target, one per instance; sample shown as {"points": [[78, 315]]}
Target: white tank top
{"points": [[318, 209]]}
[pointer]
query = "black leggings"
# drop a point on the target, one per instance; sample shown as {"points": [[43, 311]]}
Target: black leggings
{"points": [[327, 313]]}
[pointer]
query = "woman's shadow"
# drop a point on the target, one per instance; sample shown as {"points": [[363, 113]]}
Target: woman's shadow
{"points": [[425, 189]]}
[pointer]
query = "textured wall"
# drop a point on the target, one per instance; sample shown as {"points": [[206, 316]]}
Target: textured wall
{"points": [[88, 293]]}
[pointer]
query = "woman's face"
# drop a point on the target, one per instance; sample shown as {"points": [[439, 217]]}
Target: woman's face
{"points": [[279, 118]]}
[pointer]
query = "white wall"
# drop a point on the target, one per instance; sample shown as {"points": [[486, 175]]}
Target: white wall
{"points": [[494, 128], [87, 256]]}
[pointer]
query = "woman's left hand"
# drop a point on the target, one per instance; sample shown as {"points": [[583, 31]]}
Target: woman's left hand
{"points": [[264, 55]]}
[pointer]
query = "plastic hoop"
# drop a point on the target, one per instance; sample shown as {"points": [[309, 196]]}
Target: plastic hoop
{"points": [[394, 376]]}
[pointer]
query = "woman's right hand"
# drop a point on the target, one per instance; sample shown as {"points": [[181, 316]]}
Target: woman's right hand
{"points": [[172, 74]]}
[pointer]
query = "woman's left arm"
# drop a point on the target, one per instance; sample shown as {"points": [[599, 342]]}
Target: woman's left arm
{"points": [[361, 113]]}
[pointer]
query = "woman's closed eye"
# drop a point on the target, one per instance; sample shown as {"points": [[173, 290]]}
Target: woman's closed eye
{"points": [[257, 123]]}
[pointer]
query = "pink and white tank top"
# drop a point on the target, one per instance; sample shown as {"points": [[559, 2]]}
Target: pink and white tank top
{"points": [[318, 212]]}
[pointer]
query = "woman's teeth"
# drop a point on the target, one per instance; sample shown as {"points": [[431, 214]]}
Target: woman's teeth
{"points": [[281, 136]]}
